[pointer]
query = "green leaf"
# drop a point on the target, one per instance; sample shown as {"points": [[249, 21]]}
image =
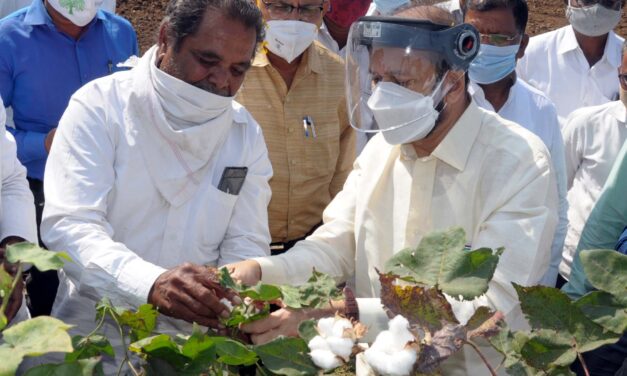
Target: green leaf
{"points": [[39, 336], [605, 269], [40, 258], [83, 367], [307, 330], [142, 322], [227, 281], [163, 347], [287, 356], [234, 353], [89, 347], [33, 337], [426, 307], [604, 309], [548, 349], [6, 281], [10, 360], [549, 308], [262, 292], [315, 293], [441, 261]]}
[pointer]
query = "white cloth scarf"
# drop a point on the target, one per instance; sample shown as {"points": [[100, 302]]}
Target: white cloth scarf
{"points": [[180, 127]]}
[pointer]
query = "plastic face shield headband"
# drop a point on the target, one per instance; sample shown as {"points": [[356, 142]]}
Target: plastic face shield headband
{"points": [[415, 53]]}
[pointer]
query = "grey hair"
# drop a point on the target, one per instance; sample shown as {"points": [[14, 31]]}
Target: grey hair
{"points": [[185, 16]]}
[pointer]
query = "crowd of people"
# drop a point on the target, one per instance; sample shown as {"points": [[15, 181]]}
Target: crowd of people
{"points": [[278, 136]]}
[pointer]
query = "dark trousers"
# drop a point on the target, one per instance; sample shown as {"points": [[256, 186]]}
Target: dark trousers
{"points": [[41, 287], [604, 361]]}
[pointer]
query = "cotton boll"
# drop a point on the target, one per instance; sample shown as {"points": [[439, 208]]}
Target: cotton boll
{"points": [[404, 361], [325, 359], [397, 364], [319, 343], [340, 326], [325, 326], [227, 303], [342, 347], [399, 327]]}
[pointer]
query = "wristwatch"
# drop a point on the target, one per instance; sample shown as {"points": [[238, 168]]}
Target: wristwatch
{"points": [[351, 309]]}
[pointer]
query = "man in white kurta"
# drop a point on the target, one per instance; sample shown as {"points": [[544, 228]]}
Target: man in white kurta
{"points": [[487, 175], [133, 179], [17, 210]]}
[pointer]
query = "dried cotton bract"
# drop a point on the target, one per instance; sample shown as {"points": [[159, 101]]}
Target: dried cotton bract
{"points": [[334, 343], [391, 353]]}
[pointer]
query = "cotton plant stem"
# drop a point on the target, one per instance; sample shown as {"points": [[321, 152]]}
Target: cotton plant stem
{"points": [[476, 348], [583, 364]]}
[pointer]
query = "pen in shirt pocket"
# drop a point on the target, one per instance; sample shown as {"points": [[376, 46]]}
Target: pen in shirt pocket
{"points": [[308, 124]]}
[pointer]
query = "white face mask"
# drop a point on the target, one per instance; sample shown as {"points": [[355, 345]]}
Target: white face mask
{"points": [[79, 12], [593, 21], [289, 39], [403, 115]]}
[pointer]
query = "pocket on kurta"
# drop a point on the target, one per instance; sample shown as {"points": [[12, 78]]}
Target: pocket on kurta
{"points": [[213, 222]]}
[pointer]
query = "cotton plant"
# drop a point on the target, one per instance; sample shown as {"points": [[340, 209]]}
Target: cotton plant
{"points": [[394, 351], [335, 342]]}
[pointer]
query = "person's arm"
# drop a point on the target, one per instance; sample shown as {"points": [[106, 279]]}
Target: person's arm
{"points": [[573, 148], [604, 225], [524, 223], [348, 143], [248, 235], [17, 221]]}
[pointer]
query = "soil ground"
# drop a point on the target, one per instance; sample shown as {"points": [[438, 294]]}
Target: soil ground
{"points": [[146, 15]]}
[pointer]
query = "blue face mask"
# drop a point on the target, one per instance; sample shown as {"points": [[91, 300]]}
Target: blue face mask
{"points": [[493, 63], [385, 7]]}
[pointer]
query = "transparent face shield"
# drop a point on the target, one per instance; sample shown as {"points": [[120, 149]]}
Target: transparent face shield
{"points": [[398, 62]]}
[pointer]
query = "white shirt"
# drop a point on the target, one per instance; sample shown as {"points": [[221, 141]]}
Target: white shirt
{"points": [[17, 208], [555, 64], [489, 176], [593, 138], [122, 201], [530, 108], [328, 42]]}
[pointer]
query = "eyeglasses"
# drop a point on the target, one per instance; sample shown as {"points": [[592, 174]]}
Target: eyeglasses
{"points": [[609, 4], [623, 79], [305, 12], [499, 39]]}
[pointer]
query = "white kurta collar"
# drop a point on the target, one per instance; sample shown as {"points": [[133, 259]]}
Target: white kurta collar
{"points": [[175, 159]]}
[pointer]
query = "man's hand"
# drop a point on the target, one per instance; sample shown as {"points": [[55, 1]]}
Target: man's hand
{"points": [[189, 292], [247, 272], [15, 300], [283, 322], [49, 139]]}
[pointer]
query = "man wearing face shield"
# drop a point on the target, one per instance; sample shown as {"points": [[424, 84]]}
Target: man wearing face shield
{"points": [[49, 50], [575, 66], [495, 87], [436, 161], [295, 90], [157, 172]]}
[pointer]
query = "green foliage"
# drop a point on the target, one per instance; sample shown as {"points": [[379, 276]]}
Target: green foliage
{"points": [[89, 347], [83, 367], [315, 293], [33, 337], [40, 258], [286, 356], [605, 269], [604, 309], [307, 330], [441, 261]]}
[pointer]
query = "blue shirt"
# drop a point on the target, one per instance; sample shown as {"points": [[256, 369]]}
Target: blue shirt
{"points": [[41, 67]]}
